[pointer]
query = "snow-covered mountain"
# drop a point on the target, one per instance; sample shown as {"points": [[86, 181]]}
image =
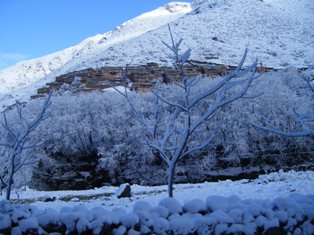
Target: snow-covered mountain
{"points": [[279, 33], [15, 79]]}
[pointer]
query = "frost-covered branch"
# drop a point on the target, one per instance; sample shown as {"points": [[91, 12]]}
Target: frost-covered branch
{"points": [[17, 142], [305, 120]]}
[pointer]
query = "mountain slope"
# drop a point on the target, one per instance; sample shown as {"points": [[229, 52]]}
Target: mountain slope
{"points": [[28, 72], [277, 32], [219, 30]]}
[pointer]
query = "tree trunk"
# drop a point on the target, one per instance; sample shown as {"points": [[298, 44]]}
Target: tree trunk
{"points": [[10, 181], [8, 193], [170, 179]]}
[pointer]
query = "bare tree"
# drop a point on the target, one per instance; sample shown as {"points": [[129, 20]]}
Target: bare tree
{"points": [[306, 120], [173, 127], [17, 142]]}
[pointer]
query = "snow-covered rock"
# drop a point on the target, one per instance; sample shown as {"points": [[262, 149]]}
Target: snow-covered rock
{"points": [[231, 221], [129, 220], [195, 206], [124, 191], [29, 225], [142, 206], [5, 223], [172, 205], [217, 203]]}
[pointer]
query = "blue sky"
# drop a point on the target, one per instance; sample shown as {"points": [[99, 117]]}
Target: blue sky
{"points": [[33, 28]]}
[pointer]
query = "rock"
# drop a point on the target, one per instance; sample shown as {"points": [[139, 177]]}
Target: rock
{"points": [[29, 226], [57, 227], [5, 224], [75, 199], [195, 206], [104, 229], [172, 205], [124, 191], [49, 199], [274, 230]]}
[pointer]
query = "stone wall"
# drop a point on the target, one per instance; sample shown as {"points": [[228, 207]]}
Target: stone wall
{"points": [[142, 77]]}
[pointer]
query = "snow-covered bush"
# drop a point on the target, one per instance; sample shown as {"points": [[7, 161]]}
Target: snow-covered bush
{"points": [[102, 122], [303, 113]]}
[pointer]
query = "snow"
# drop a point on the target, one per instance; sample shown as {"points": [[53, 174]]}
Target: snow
{"points": [[217, 203], [120, 231], [182, 225], [291, 182], [160, 224], [221, 33], [49, 216], [16, 231], [142, 206], [20, 81], [129, 220], [171, 204], [29, 223], [247, 217], [82, 225], [5, 221], [279, 33], [160, 211], [117, 89], [194, 206], [121, 189]]}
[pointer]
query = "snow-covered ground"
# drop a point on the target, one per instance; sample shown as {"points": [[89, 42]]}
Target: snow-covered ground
{"points": [[266, 187]]}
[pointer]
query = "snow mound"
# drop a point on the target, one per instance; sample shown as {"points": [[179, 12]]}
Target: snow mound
{"points": [[194, 206], [172, 205]]}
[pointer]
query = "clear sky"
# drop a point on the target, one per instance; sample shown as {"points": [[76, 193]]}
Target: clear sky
{"points": [[33, 28]]}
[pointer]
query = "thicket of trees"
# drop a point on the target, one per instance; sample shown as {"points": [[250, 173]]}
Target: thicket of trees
{"points": [[174, 131], [303, 112], [103, 122]]}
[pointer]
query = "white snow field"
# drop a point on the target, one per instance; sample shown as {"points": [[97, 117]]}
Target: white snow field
{"points": [[269, 186], [269, 204], [279, 33]]}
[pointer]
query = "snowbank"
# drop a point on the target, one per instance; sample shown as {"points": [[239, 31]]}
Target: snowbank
{"points": [[218, 215]]}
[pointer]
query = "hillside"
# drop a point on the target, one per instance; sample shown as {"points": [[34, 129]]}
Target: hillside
{"points": [[218, 32], [18, 81], [278, 33]]}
